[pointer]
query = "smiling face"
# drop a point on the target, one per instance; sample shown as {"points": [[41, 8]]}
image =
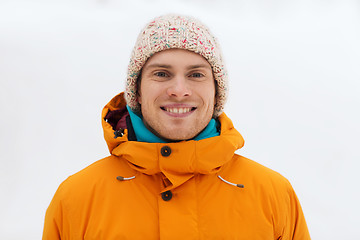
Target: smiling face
{"points": [[177, 94]]}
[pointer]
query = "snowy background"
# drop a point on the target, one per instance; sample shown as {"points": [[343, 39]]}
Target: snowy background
{"points": [[295, 96]]}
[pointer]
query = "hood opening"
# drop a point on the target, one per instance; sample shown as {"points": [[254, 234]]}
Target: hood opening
{"points": [[117, 118]]}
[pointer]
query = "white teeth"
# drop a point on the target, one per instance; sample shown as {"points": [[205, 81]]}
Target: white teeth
{"points": [[178, 110]]}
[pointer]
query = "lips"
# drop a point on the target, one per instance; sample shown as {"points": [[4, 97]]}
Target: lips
{"points": [[178, 109]]}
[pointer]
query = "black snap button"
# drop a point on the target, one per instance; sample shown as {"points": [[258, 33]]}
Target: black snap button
{"points": [[165, 151], [166, 196]]}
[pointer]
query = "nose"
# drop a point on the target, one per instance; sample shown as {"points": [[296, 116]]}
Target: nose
{"points": [[179, 88]]}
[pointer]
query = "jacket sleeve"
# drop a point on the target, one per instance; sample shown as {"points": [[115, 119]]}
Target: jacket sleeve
{"points": [[297, 227], [54, 218]]}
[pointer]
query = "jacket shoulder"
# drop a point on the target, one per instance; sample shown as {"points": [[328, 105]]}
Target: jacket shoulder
{"points": [[272, 193], [100, 174], [255, 173], [103, 169], [258, 180], [69, 209]]}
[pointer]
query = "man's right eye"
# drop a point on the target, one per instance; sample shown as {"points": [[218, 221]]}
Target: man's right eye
{"points": [[161, 74]]}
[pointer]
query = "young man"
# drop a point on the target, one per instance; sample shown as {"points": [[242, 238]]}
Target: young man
{"points": [[173, 173]]}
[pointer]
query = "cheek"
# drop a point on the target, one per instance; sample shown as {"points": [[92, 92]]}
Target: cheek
{"points": [[212, 95], [150, 92], [145, 95]]}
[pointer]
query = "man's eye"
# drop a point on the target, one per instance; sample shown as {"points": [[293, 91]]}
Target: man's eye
{"points": [[160, 74], [197, 75]]}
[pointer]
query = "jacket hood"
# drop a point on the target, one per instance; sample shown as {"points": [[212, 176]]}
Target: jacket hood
{"points": [[187, 157]]}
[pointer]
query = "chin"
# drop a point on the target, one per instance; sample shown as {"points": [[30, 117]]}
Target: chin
{"points": [[179, 138], [173, 135]]}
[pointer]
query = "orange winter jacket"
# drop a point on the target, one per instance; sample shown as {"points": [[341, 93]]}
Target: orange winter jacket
{"points": [[180, 190]]}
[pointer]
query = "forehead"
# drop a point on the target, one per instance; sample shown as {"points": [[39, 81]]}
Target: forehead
{"points": [[172, 58]]}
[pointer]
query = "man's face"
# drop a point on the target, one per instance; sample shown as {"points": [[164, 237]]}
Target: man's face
{"points": [[177, 94]]}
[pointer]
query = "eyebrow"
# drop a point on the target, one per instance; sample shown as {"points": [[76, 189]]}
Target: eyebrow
{"points": [[155, 65], [199, 66]]}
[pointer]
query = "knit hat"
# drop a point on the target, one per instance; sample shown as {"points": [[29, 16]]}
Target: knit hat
{"points": [[174, 31]]}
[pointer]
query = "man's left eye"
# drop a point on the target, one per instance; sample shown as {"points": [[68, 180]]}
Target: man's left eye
{"points": [[197, 75]]}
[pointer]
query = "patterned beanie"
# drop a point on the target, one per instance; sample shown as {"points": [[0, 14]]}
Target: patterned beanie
{"points": [[174, 31]]}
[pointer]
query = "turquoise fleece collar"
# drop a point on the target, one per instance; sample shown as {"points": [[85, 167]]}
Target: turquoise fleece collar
{"points": [[145, 135]]}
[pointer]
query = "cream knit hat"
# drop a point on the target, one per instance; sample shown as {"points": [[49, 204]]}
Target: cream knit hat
{"points": [[174, 31]]}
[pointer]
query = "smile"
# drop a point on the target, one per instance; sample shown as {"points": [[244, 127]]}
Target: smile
{"points": [[178, 110]]}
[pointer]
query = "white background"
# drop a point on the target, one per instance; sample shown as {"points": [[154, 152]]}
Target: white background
{"points": [[294, 71]]}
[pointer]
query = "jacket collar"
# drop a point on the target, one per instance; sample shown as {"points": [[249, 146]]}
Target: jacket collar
{"points": [[187, 158]]}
